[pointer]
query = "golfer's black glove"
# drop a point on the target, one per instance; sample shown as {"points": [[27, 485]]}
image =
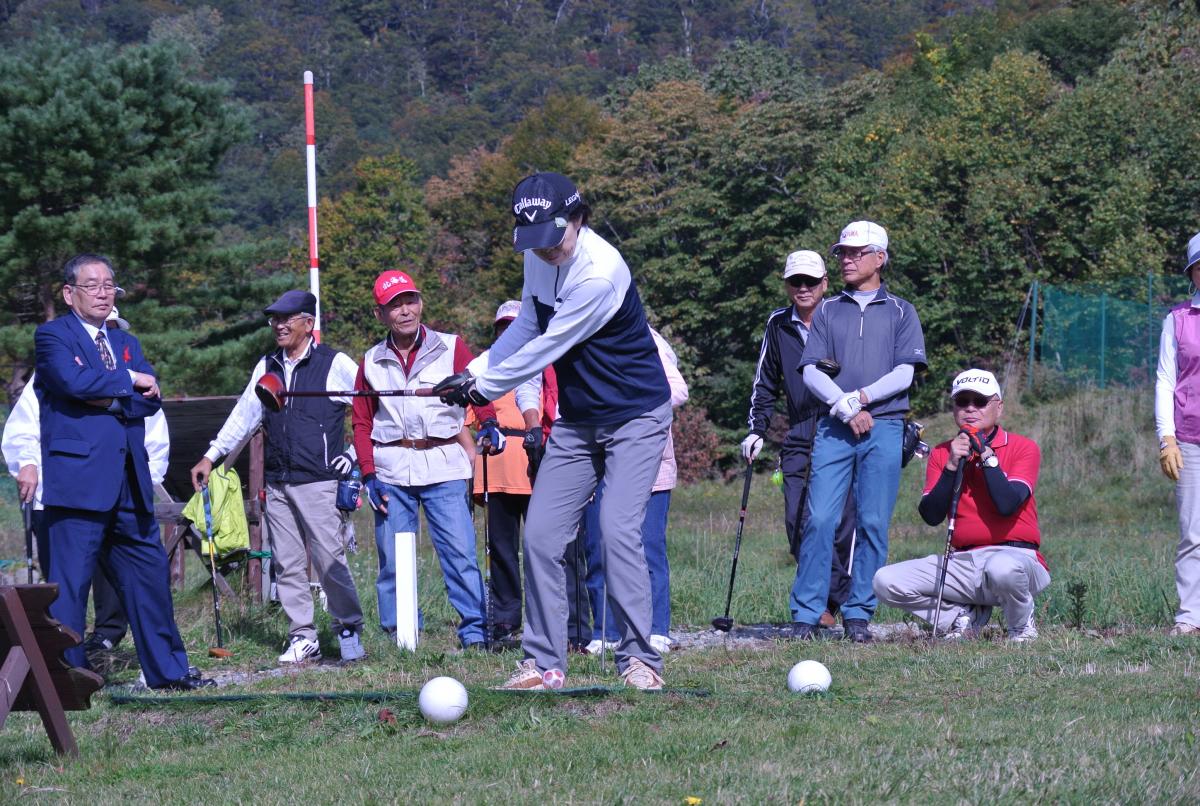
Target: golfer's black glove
{"points": [[459, 390], [535, 449]]}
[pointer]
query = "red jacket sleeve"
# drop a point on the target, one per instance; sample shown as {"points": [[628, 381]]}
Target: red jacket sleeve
{"points": [[362, 420]]}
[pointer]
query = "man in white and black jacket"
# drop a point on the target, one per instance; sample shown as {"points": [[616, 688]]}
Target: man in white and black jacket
{"points": [[778, 375]]}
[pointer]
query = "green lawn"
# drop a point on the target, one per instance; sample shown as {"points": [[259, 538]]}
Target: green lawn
{"points": [[1104, 708]]}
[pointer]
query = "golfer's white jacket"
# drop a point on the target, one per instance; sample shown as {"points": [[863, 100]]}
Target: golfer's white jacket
{"points": [[399, 418]]}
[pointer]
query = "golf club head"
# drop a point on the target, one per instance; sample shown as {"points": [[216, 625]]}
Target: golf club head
{"points": [[219, 652], [829, 366], [269, 391], [722, 623]]}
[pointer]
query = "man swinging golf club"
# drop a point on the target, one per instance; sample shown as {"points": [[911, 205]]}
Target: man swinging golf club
{"points": [[995, 561], [303, 459], [581, 312]]}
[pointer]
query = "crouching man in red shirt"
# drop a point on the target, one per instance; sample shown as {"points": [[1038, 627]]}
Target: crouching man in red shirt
{"points": [[995, 561]]}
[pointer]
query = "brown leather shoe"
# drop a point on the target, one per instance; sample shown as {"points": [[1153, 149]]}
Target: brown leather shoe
{"points": [[827, 620]]}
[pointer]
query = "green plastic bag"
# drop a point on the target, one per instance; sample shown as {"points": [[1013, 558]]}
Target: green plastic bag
{"points": [[231, 532]]}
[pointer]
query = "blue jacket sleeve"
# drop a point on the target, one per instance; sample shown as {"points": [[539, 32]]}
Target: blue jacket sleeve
{"points": [[135, 405]]}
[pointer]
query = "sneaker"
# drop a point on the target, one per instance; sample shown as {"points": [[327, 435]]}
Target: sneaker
{"points": [[97, 643], [804, 632], [301, 649], [1183, 628], [525, 678], [638, 675], [1025, 634], [969, 624], [597, 646], [856, 630], [351, 646], [661, 643]]}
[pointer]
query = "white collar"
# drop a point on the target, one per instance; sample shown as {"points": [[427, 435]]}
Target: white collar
{"points": [[91, 329]]}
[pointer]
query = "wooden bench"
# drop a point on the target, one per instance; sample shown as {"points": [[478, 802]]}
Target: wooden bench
{"points": [[33, 674]]}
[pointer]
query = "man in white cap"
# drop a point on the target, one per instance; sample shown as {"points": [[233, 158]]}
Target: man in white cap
{"points": [[875, 338], [996, 561], [777, 373]]}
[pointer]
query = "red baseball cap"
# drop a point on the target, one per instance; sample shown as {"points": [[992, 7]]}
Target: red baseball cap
{"points": [[390, 283]]}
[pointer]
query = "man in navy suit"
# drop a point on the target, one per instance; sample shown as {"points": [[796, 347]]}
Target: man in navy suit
{"points": [[96, 388]]}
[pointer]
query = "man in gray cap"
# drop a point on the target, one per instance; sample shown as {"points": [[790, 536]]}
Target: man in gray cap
{"points": [[304, 456], [776, 375]]}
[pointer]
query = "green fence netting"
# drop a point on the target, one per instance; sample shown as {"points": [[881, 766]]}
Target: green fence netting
{"points": [[1103, 334]]}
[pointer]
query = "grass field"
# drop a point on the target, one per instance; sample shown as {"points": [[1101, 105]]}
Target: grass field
{"points": [[1105, 708]]}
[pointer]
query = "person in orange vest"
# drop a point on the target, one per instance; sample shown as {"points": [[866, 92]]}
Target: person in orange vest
{"points": [[524, 416]]}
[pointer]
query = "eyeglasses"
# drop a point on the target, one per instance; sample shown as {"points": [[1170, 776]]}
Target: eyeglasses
{"points": [[96, 289], [275, 321], [842, 253], [967, 399], [796, 281]]}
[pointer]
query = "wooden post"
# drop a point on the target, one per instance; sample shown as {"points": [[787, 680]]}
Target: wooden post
{"points": [[25, 657]]}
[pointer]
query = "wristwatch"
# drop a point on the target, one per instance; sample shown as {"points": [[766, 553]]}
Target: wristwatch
{"points": [[991, 461]]}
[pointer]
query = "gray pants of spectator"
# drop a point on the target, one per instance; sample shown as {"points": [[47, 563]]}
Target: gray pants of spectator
{"points": [[993, 576], [300, 515], [626, 455]]}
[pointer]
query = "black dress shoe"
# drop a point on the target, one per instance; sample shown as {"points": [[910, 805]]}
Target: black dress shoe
{"points": [[192, 682], [804, 632], [857, 630]]}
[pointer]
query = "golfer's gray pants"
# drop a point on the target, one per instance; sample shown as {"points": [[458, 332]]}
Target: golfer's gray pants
{"points": [[1187, 556], [994, 576], [300, 515], [626, 455]]}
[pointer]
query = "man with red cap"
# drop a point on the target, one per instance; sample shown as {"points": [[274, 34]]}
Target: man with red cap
{"points": [[416, 454], [303, 458]]}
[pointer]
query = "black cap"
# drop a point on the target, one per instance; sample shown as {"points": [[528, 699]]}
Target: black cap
{"points": [[542, 203], [293, 302]]}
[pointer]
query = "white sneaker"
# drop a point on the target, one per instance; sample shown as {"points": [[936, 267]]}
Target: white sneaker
{"points": [[661, 643], [351, 646], [638, 675], [301, 650], [597, 646], [525, 678], [1025, 634], [1183, 628], [970, 623]]}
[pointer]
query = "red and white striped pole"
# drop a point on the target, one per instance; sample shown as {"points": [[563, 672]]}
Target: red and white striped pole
{"points": [[310, 149]]}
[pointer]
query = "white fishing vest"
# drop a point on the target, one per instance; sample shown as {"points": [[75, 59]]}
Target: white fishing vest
{"points": [[416, 417]]}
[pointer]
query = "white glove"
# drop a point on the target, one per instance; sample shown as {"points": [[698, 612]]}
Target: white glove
{"points": [[342, 463], [751, 446], [847, 406]]}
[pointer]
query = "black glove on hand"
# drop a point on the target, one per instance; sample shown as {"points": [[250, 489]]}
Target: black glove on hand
{"points": [[459, 390], [535, 449]]}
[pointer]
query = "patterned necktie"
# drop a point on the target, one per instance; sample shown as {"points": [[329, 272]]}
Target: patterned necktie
{"points": [[105, 354]]}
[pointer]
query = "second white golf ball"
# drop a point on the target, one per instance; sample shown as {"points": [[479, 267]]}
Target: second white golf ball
{"points": [[809, 677], [443, 700]]}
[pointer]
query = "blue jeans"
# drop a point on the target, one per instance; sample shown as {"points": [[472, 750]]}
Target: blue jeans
{"points": [[654, 542], [872, 465], [453, 536]]}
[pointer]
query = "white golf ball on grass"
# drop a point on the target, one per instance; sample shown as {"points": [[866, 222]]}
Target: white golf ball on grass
{"points": [[809, 677], [443, 700]]}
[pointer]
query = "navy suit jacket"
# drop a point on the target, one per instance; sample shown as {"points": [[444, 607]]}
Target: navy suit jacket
{"points": [[85, 448]]}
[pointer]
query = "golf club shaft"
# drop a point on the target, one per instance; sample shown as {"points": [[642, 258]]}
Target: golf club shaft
{"points": [[27, 515], [941, 587], [212, 562], [737, 543], [487, 556], [424, 392]]}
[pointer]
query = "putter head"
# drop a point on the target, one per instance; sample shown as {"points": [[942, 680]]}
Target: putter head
{"points": [[829, 366], [219, 652], [269, 391], [722, 623]]}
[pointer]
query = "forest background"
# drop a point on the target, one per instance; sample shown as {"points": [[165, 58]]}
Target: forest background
{"points": [[999, 143]]}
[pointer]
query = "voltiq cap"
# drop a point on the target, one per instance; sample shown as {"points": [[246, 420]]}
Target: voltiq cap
{"points": [[391, 283], [1193, 253], [542, 204], [508, 310], [863, 233], [976, 380], [805, 262], [291, 303]]}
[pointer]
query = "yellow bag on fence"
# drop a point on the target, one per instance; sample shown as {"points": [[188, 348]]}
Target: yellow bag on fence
{"points": [[231, 532]]}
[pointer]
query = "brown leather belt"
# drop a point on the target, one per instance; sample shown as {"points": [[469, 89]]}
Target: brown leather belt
{"points": [[417, 444]]}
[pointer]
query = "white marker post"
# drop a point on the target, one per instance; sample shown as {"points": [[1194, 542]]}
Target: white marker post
{"points": [[406, 590], [310, 159]]}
